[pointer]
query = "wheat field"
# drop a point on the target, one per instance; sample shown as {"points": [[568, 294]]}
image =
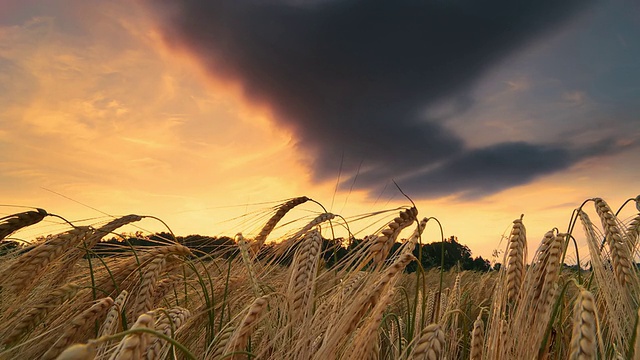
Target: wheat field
{"points": [[59, 299]]}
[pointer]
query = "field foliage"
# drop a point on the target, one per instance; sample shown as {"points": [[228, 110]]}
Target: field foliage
{"points": [[67, 296]]}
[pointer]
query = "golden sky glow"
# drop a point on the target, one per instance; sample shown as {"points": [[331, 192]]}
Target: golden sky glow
{"points": [[95, 106]]}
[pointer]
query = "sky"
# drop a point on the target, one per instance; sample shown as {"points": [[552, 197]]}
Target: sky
{"points": [[207, 113]]}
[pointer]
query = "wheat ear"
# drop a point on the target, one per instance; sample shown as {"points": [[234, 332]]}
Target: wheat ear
{"points": [[516, 259], [246, 259], [352, 314], [79, 352], [546, 271], [119, 274], [273, 221], [583, 337], [244, 330], [388, 277], [112, 320], [78, 328], [132, 346], [143, 301], [477, 338], [285, 245], [430, 344], [12, 223], [382, 244], [32, 264], [38, 313], [620, 253], [221, 342], [633, 231], [365, 343], [72, 257], [302, 280], [167, 323], [410, 245]]}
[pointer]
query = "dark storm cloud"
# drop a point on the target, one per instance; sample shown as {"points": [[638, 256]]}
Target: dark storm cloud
{"points": [[352, 79], [487, 170]]}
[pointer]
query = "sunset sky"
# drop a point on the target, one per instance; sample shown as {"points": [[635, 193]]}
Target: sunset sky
{"points": [[199, 112]]}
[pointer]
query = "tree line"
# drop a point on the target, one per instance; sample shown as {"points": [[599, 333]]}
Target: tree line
{"points": [[447, 254]]}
